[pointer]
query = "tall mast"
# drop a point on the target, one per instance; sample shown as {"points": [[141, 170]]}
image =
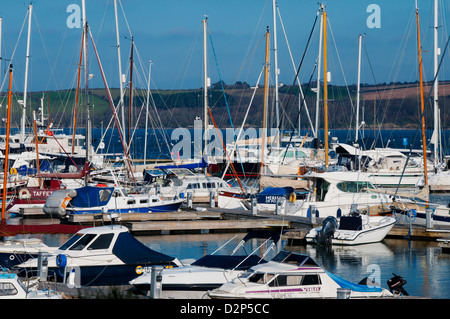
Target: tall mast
{"points": [[358, 89], [205, 85], [437, 51], [146, 113], [86, 79], [316, 132], [424, 142], [275, 55], [130, 105], [325, 87], [266, 101], [24, 107], [1, 22], [122, 106], [8, 126]]}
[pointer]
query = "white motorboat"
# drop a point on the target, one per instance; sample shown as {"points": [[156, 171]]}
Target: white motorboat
{"points": [[339, 193], [100, 256], [11, 287], [353, 229], [181, 181], [210, 271], [18, 250], [291, 275]]}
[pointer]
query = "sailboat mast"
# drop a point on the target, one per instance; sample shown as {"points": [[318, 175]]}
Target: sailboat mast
{"points": [[130, 104], [24, 107], [275, 57], [437, 128], [122, 106], [76, 95], [86, 79], [358, 88], [316, 132], [325, 87], [266, 101], [8, 126], [424, 142], [205, 85]]}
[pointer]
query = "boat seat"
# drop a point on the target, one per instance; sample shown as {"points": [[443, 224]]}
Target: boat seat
{"points": [[350, 223]]}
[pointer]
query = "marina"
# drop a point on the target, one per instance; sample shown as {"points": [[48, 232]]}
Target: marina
{"points": [[310, 190]]}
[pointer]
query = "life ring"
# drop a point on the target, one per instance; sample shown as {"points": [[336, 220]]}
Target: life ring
{"points": [[13, 171], [24, 194], [292, 197]]}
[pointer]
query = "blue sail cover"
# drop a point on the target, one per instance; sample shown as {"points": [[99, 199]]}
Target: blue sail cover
{"points": [[271, 194], [132, 251], [352, 286], [202, 164], [92, 196]]}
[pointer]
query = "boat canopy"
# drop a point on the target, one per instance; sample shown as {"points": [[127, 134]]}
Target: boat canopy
{"points": [[132, 251], [287, 257], [92, 196], [262, 234], [352, 286], [240, 262]]}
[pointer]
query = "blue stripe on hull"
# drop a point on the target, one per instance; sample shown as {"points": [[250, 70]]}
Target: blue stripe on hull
{"points": [[163, 208], [9, 260]]}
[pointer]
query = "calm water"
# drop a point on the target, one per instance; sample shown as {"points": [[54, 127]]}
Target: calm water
{"points": [[423, 265]]}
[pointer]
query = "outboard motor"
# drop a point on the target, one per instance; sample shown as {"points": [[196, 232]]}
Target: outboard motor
{"points": [[396, 284], [325, 235]]}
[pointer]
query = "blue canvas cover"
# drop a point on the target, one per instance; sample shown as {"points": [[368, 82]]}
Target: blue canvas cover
{"points": [[92, 196], [202, 164], [132, 251], [352, 286], [270, 194]]}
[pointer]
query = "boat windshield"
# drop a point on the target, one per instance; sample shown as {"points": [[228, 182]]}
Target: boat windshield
{"points": [[70, 242], [78, 242]]}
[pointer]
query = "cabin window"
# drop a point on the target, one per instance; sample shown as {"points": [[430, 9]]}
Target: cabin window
{"points": [[321, 189], [260, 278], [154, 200], [7, 289], [131, 201], [83, 242], [143, 201], [70, 242], [104, 194], [311, 280], [102, 242], [354, 187]]}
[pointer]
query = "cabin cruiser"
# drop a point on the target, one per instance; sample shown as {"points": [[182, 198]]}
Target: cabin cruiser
{"points": [[212, 270], [101, 256], [354, 229], [100, 199], [339, 193], [291, 275], [385, 167]]}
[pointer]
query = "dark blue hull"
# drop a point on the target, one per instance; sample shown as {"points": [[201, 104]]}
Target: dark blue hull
{"points": [[9, 260]]}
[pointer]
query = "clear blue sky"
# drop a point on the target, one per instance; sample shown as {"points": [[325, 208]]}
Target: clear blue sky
{"points": [[169, 33]]}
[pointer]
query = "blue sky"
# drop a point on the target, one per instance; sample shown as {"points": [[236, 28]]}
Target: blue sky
{"points": [[169, 34]]}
